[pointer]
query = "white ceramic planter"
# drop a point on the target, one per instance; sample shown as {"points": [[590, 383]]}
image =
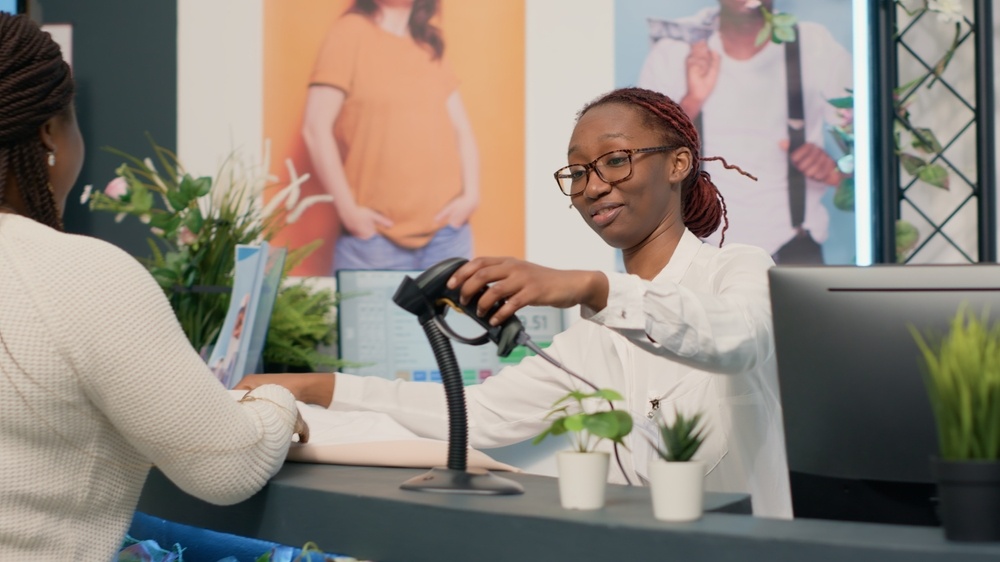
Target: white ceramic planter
{"points": [[677, 489], [583, 478]]}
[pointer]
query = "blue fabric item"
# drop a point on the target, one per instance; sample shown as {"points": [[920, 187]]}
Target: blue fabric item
{"points": [[204, 545], [148, 551]]}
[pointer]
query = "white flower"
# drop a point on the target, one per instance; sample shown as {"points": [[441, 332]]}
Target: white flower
{"points": [[305, 203], [85, 196], [120, 217], [145, 218], [948, 11], [752, 4], [846, 164]]}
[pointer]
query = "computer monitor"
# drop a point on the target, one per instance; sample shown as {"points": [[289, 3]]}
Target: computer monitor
{"points": [[381, 339], [852, 389]]}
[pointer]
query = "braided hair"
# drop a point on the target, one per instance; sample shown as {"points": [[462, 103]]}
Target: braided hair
{"points": [[703, 206], [35, 86]]}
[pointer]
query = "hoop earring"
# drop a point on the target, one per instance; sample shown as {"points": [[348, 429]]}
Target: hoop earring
{"points": [[570, 206], [52, 159]]}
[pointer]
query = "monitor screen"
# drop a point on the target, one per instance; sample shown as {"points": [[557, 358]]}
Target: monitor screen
{"points": [[386, 341], [851, 381]]}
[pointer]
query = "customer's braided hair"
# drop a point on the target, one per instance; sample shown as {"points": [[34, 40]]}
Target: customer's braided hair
{"points": [[35, 86], [703, 205]]}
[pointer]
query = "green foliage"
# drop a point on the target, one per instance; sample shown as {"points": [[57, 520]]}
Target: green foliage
{"points": [[778, 27], [962, 375], [587, 429], [196, 224], [907, 237], [680, 440], [301, 323]]}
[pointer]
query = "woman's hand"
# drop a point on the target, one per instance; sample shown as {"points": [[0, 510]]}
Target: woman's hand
{"points": [[814, 163], [311, 388], [301, 427], [702, 71], [457, 211], [522, 283], [362, 222]]}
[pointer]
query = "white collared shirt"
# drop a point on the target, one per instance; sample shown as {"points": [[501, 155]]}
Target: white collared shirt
{"points": [[698, 337]]}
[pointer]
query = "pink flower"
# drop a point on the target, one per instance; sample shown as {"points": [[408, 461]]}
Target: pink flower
{"points": [[846, 116], [185, 236], [116, 188]]}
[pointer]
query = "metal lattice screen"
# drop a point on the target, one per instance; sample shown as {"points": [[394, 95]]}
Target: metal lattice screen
{"points": [[941, 136]]}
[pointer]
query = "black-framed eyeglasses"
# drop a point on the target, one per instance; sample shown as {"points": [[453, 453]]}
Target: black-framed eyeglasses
{"points": [[613, 168]]}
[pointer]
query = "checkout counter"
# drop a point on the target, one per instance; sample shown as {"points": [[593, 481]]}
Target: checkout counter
{"points": [[362, 512]]}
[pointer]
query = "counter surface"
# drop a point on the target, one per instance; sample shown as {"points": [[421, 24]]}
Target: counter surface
{"points": [[362, 511]]}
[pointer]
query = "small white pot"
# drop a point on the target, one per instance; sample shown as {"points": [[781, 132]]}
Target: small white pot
{"points": [[677, 489], [583, 478]]}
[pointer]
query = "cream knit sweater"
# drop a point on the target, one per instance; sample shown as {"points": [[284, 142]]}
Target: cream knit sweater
{"points": [[97, 384]]}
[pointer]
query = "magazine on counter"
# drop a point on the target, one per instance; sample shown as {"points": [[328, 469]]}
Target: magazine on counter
{"points": [[240, 344]]}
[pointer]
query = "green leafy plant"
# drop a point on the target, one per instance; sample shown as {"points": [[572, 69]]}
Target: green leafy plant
{"points": [[962, 375], [196, 225], [778, 27], [587, 429], [680, 440]]}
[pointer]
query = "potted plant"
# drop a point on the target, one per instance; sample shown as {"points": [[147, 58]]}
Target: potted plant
{"points": [[962, 376], [196, 225], [676, 481], [583, 470]]}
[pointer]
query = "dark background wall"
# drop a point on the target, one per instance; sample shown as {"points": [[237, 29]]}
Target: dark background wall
{"points": [[125, 66]]}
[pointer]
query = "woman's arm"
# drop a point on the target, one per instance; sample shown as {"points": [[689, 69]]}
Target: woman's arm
{"points": [[323, 105], [134, 363], [718, 319], [457, 212]]}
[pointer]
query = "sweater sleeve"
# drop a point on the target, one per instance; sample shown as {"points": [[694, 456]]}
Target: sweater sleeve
{"points": [[114, 326]]}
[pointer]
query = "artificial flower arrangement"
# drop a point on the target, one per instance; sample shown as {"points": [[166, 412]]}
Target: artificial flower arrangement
{"points": [[196, 224]]}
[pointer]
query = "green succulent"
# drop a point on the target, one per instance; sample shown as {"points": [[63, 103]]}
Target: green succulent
{"points": [[680, 440]]}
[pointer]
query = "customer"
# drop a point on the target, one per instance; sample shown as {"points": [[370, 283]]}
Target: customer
{"points": [[97, 381], [687, 328]]}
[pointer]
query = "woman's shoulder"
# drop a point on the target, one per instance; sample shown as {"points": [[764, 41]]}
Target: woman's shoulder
{"points": [[74, 256], [735, 251]]}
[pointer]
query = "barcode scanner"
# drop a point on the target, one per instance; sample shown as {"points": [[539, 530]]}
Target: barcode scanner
{"points": [[429, 298], [429, 295]]}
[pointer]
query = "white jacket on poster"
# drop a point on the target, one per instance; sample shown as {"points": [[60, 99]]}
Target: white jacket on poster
{"points": [[709, 312]]}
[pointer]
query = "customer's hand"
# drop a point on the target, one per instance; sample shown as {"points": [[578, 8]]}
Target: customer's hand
{"points": [[301, 428], [311, 388]]}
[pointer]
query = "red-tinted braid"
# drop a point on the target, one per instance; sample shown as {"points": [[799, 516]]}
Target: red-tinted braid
{"points": [[35, 86], [703, 205]]}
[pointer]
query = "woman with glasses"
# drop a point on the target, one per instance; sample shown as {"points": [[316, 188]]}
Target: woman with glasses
{"points": [[687, 329]]}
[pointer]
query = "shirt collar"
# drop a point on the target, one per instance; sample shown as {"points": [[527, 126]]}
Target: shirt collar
{"points": [[683, 256]]}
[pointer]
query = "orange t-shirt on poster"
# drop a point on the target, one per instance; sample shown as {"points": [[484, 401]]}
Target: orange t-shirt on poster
{"points": [[399, 148]]}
